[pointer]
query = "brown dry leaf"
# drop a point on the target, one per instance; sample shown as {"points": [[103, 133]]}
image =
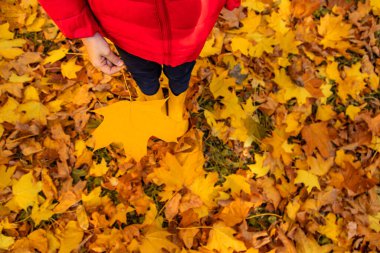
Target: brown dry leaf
{"points": [[317, 136], [187, 235], [172, 205]]}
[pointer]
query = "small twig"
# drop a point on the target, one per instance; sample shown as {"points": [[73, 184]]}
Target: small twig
{"points": [[263, 214], [195, 227], [126, 85]]}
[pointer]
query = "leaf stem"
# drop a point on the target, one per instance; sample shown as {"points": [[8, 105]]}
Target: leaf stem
{"points": [[195, 227], [263, 214]]}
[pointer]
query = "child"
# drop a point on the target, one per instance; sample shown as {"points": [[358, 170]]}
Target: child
{"points": [[147, 34]]}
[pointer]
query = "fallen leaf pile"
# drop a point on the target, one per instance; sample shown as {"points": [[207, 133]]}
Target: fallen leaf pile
{"points": [[282, 154]]}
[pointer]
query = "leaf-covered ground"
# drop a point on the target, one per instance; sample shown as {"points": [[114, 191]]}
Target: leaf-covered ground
{"points": [[282, 155]]}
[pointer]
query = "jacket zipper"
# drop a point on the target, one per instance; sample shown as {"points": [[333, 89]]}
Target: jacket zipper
{"points": [[164, 22]]}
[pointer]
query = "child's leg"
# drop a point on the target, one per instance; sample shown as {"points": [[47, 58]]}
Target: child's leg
{"points": [[179, 78], [145, 73]]}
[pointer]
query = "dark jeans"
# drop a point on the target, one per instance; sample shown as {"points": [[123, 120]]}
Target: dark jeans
{"points": [[147, 73]]}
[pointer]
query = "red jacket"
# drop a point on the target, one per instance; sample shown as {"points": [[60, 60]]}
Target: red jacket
{"points": [[165, 31]]}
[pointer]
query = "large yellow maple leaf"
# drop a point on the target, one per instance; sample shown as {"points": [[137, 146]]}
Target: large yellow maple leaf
{"points": [[334, 31], [133, 123]]}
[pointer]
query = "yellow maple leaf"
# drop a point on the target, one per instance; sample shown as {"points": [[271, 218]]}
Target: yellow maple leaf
{"points": [[263, 44], [71, 237], [250, 23], [353, 84], [288, 43], [155, 238], [254, 5], [332, 71], [220, 85], [334, 30], [6, 242], [42, 212], [205, 189], [259, 168], [352, 111], [10, 49], [5, 33], [214, 43], [308, 179], [277, 23], [133, 123], [307, 244], [222, 240], [98, 169], [288, 89], [55, 55], [375, 5], [25, 192], [237, 183], [92, 199], [31, 94], [176, 175], [33, 110], [325, 112], [5, 176], [319, 166], [333, 227], [37, 239], [36, 25], [69, 68], [292, 208], [374, 222], [241, 44]]}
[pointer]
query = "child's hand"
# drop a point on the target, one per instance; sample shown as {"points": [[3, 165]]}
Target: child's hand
{"points": [[101, 56]]}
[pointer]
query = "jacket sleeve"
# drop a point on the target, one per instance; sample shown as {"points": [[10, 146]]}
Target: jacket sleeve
{"points": [[73, 17], [232, 4]]}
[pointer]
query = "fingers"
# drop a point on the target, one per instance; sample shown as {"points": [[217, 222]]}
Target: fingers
{"points": [[107, 67], [109, 70], [114, 59]]}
